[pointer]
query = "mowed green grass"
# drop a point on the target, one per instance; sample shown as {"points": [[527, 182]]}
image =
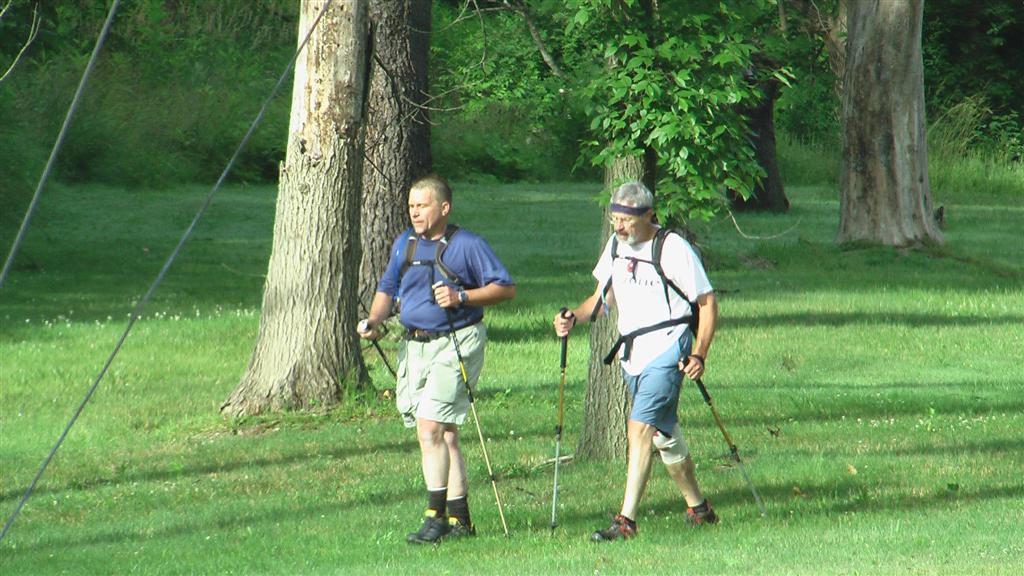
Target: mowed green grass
{"points": [[876, 396]]}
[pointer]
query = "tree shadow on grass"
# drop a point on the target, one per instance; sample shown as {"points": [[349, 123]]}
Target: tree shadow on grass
{"points": [[368, 496], [844, 496], [204, 469], [993, 447], [840, 319], [863, 405], [226, 521]]}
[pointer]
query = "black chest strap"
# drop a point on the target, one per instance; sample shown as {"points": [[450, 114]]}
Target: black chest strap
{"points": [[437, 262], [627, 339]]}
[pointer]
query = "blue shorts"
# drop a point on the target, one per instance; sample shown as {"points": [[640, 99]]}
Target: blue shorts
{"points": [[655, 392]]}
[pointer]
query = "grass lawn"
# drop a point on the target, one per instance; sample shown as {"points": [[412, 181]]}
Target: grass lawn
{"points": [[876, 395]]}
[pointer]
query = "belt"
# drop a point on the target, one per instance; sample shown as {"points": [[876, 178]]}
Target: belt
{"points": [[420, 335], [417, 335]]}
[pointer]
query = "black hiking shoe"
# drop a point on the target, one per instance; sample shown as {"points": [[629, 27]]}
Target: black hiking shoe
{"points": [[457, 530], [432, 530], [621, 527], [694, 518]]}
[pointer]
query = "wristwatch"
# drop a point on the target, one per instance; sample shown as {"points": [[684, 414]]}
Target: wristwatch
{"points": [[463, 297]]}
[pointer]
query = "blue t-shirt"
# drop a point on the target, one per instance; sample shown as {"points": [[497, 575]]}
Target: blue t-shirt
{"points": [[468, 256]]}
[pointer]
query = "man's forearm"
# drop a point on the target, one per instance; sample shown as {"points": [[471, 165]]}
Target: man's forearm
{"points": [[490, 294], [708, 312], [380, 309]]}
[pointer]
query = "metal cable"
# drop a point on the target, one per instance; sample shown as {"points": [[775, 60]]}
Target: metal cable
{"points": [[59, 143], [137, 312]]}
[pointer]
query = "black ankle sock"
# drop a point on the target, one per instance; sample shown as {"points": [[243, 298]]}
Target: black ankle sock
{"points": [[458, 508], [436, 501], [700, 508]]}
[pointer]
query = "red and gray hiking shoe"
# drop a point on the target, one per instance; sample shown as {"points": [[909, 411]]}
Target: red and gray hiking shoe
{"points": [[432, 530], [621, 527], [695, 518]]}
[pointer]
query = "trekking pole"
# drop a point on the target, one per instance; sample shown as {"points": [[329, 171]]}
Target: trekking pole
{"points": [[476, 419], [363, 328], [732, 446], [363, 325], [558, 428], [384, 358]]}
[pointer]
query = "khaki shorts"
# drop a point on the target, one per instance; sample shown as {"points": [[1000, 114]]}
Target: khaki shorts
{"points": [[429, 380]]}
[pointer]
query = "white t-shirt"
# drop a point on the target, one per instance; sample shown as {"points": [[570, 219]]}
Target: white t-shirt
{"points": [[640, 295]]}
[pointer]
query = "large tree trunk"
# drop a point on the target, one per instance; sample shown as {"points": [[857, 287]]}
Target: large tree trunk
{"points": [[307, 351], [606, 407], [769, 194], [884, 190], [397, 130]]}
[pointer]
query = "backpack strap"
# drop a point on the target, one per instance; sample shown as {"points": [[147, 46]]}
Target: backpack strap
{"points": [[449, 274], [442, 245], [656, 251], [626, 340], [410, 251], [607, 285]]}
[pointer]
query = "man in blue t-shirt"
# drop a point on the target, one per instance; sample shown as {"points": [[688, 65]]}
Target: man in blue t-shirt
{"points": [[443, 277]]}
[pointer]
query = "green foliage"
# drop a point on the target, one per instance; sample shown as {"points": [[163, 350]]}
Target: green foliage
{"points": [[808, 111], [179, 82], [500, 111], [971, 151], [969, 127], [176, 86], [674, 83], [22, 163], [971, 48], [496, 140]]}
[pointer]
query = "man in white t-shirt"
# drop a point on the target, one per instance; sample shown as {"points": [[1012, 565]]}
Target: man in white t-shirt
{"points": [[656, 347]]}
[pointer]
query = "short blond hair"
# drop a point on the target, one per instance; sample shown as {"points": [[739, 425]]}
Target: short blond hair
{"points": [[440, 189]]}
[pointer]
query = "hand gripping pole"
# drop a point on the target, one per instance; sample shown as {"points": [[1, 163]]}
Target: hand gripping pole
{"points": [[558, 428]]}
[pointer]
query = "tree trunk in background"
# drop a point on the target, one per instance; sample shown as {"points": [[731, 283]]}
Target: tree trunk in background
{"points": [[397, 131], [831, 27], [769, 194], [884, 190], [307, 351], [835, 34], [606, 407]]}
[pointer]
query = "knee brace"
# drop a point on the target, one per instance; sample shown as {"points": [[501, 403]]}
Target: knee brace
{"points": [[673, 449]]}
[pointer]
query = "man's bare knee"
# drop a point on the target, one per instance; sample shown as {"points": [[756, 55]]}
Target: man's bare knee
{"points": [[451, 437], [430, 433]]}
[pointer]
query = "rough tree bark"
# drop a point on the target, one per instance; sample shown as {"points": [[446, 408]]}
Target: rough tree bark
{"points": [[307, 352], [606, 407], [884, 189], [769, 194], [397, 130]]}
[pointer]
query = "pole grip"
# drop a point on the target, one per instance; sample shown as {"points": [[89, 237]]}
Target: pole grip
{"points": [[565, 339]]}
